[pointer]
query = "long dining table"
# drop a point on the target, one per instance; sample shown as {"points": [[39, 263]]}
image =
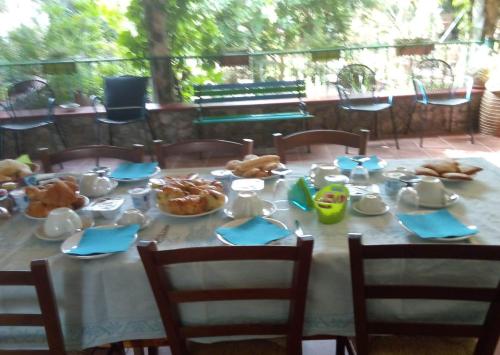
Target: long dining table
{"points": [[109, 299]]}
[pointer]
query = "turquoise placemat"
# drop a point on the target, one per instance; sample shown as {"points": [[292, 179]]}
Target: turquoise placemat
{"points": [[346, 163], [106, 240], [256, 231], [439, 224], [134, 170]]}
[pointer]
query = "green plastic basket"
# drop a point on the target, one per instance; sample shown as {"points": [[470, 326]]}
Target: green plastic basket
{"points": [[334, 211]]}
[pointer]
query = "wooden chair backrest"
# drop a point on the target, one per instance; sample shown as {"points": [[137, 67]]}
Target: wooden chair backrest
{"points": [[134, 154], [49, 319], [487, 333], [320, 136], [202, 146], [168, 298]]}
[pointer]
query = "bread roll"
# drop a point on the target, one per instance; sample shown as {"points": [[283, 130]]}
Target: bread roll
{"points": [[426, 171], [469, 169], [443, 166], [258, 162]]}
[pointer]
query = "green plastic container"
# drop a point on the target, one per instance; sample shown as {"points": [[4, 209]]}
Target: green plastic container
{"points": [[331, 203]]}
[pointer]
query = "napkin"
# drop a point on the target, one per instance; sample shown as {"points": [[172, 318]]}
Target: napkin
{"points": [[134, 170], [440, 224], [346, 163], [106, 240], [256, 231]]}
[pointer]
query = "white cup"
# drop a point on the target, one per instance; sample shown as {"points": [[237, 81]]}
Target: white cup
{"points": [[20, 199], [320, 171], [431, 191], [132, 216], [247, 205], [95, 185], [61, 221], [141, 198], [371, 203]]}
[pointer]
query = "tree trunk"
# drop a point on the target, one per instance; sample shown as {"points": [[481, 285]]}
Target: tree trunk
{"points": [[161, 67], [484, 18]]}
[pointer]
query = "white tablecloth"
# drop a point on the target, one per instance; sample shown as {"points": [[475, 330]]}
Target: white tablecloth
{"points": [[109, 299]]}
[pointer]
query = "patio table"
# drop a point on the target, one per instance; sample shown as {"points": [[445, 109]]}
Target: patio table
{"points": [[109, 299]]}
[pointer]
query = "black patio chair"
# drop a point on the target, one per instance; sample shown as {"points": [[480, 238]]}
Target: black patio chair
{"points": [[125, 103], [356, 86], [433, 79], [30, 105]]}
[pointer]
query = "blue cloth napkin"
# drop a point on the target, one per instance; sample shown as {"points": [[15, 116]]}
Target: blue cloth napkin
{"points": [[440, 224], [256, 231], [134, 170], [346, 163], [106, 240]]}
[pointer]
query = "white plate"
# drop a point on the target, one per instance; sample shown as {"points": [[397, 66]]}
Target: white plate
{"points": [[447, 239], [40, 233], [157, 170], [451, 198], [73, 241], [443, 179], [356, 208], [193, 215], [268, 208], [269, 177], [85, 204], [237, 222], [382, 164]]}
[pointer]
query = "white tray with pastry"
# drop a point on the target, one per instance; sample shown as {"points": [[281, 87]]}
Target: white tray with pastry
{"points": [[448, 170], [58, 193], [187, 198], [254, 166]]}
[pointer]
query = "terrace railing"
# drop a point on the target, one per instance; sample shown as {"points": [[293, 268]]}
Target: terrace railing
{"points": [[318, 67]]}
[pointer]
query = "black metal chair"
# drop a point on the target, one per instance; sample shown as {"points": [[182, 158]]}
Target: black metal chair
{"points": [[433, 79], [125, 103], [356, 86], [30, 105]]}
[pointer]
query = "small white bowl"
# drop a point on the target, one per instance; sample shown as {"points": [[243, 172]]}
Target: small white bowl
{"points": [[109, 208]]}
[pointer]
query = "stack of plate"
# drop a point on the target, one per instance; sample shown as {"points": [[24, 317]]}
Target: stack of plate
{"points": [[489, 114]]}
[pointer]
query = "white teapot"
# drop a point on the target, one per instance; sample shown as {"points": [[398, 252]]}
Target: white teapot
{"points": [[95, 185]]}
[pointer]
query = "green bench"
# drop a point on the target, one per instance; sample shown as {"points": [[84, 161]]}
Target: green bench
{"points": [[273, 90]]}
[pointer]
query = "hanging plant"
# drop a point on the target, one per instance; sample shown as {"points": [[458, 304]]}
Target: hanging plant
{"points": [[414, 46]]}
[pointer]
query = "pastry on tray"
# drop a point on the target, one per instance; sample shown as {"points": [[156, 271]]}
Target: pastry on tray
{"points": [[59, 193], [190, 196], [253, 166], [449, 169]]}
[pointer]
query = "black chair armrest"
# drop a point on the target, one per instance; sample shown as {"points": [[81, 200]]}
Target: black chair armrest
{"points": [[95, 100]]}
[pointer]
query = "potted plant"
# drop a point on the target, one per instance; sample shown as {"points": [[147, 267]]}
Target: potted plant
{"points": [[414, 46], [325, 55], [234, 59]]}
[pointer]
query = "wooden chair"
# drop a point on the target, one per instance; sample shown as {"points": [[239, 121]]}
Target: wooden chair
{"points": [[169, 299], [320, 136], [134, 154], [49, 319], [217, 146], [423, 338]]}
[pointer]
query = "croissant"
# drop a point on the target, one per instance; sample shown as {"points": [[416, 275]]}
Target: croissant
{"points": [[192, 204]]}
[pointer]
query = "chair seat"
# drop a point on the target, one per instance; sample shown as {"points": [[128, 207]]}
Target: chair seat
{"points": [[106, 120], [22, 126], [448, 102], [242, 347], [368, 107], [407, 345]]}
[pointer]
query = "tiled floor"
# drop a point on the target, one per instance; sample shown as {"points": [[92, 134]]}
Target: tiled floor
{"points": [[452, 146]]}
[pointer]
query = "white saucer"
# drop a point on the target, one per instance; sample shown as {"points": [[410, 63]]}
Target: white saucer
{"points": [[451, 198], [268, 208], [40, 233], [357, 209], [73, 241]]}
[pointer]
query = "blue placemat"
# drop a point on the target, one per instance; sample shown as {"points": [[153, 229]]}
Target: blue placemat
{"points": [[346, 163], [106, 240], [134, 170], [440, 224], [256, 231]]}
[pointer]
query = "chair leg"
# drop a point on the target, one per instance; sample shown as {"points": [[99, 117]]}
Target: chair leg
{"points": [[110, 133], [375, 119], [471, 122], [450, 119], [152, 350], [2, 137], [422, 126], [339, 118], [410, 117], [61, 136], [340, 346], [394, 127], [16, 141], [151, 129], [148, 144]]}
